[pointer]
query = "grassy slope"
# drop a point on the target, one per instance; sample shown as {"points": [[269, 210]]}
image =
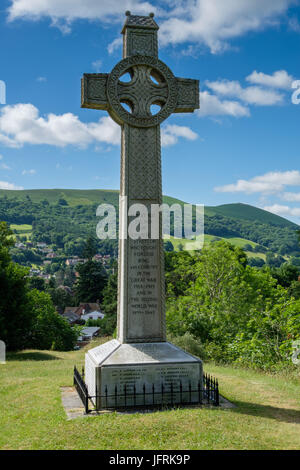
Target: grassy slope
{"points": [[267, 415], [240, 242], [90, 196], [246, 212], [24, 230]]}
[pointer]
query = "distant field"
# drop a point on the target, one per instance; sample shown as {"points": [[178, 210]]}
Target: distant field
{"points": [[240, 242], [23, 230]]}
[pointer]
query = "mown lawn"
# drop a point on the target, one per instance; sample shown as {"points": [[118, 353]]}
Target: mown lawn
{"points": [[267, 415]]}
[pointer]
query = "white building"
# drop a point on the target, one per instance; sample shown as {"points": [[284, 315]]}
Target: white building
{"points": [[95, 315]]}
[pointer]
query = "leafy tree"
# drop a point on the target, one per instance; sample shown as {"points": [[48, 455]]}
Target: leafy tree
{"points": [[90, 248], [91, 282], [168, 246], [247, 247], [256, 262], [110, 303], [27, 316], [36, 283], [48, 329], [238, 313], [60, 298], [14, 315], [286, 274]]}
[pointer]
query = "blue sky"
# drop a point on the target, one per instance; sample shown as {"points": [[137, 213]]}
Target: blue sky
{"points": [[243, 144]]}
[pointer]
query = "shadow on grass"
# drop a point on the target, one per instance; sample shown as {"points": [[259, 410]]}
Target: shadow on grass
{"points": [[31, 356], [266, 411]]}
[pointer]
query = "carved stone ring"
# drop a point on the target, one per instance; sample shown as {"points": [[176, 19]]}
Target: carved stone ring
{"points": [[151, 83]]}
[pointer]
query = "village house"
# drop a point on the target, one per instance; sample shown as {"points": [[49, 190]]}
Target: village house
{"points": [[86, 311]]}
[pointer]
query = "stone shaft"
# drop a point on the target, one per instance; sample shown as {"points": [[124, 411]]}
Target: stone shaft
{"points": [[141, 314]]}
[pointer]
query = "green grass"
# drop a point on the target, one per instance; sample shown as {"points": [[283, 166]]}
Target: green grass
{"points": [[267, 415], [236, 241], [23, 230]]}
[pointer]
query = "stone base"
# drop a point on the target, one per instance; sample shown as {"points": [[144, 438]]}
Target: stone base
{"points": [[114, 369]]}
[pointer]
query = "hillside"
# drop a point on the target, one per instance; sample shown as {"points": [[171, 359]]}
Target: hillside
{"points": [[64, 217], [246, 212]]}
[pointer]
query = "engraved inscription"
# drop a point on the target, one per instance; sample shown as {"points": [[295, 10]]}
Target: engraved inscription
{"points": [[144, 289]]}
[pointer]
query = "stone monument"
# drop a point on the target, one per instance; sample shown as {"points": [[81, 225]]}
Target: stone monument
{"points": [[140, 358]]}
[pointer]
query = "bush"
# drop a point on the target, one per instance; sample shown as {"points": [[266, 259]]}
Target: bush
{"points": [[190, 344]]}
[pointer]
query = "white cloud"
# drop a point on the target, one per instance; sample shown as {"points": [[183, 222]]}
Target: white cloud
{"points": [[251, 95], [291, 197], [283, 210], [6, 185], [3, 166], [268, 183], [29, 172], [114, 45], [64, 12], [41, 79], [211, 105], [97, 64], [280, 79], [210, 22], [171, 132], [214, 22], [22, 124]]}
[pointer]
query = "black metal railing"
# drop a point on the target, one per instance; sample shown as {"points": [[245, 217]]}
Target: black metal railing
{"points": [[174, 394]]}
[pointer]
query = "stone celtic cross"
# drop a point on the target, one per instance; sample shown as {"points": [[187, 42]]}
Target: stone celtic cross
{"points": [[141, 314]]}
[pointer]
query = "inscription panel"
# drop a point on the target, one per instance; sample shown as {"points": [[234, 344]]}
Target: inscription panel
{"points": [[144, 377], [144, 299]]}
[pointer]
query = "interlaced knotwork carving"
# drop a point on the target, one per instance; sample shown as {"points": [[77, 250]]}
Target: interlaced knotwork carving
{"points": [[141, 92]]}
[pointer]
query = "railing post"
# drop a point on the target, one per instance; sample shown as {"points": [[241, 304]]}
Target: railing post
{"points": [[217, 394], [86, 404]]}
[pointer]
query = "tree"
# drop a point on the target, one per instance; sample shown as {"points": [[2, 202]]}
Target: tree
{"points": [[91, 282], [27, 316], [48, 329], [168, 246], [60, 298], [237, 312], [256, 262], [36, 283], [286, 274], [14, 315], [90, 248], [110, 304]]}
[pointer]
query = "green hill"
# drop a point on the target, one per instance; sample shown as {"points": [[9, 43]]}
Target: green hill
{"points": [[62, 216], [247, 212]]}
